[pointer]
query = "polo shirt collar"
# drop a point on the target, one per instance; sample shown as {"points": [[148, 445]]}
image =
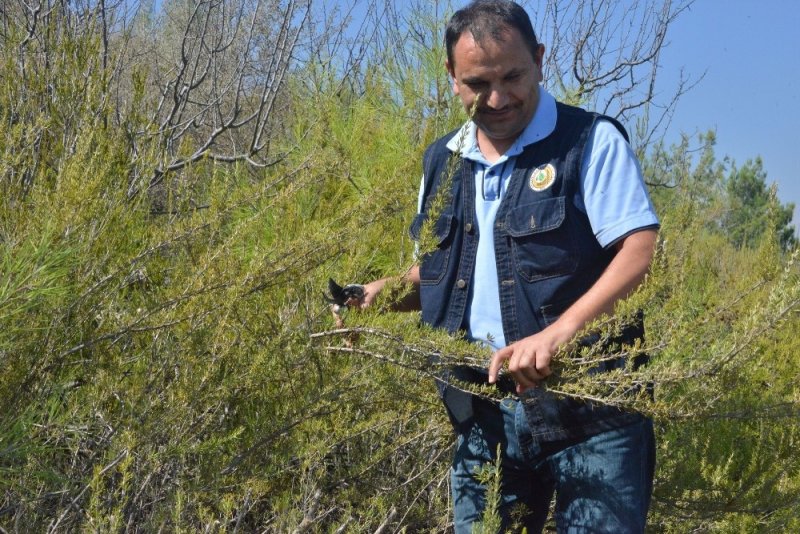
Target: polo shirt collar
{"points": [[542, 124]]}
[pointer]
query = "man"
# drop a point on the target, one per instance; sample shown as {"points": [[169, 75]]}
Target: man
{"points": [[548, 225]]}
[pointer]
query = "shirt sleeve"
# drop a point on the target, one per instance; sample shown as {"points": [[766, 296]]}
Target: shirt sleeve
{"points": [[419, 210], [420, 194], [612, 187]]}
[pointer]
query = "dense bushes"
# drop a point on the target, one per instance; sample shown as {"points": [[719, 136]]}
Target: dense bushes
{"points": [[169, 362]]}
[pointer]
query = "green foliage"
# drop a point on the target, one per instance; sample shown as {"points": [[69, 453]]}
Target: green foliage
{"points": [[490, 477], [754, 209], [736, 202], [169, 362], [719, 317]]}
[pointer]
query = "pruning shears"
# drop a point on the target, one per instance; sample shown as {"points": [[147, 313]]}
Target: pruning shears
{"points": [[343, 297]]}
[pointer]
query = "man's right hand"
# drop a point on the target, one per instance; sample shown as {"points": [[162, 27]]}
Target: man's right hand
{"points": [[371, 292], [409, 303]]}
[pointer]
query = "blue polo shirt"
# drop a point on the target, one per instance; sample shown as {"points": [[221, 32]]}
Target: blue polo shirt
{"points": [[612, 194]]}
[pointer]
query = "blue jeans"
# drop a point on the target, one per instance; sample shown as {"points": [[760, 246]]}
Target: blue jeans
{"points": [[602, 483]]}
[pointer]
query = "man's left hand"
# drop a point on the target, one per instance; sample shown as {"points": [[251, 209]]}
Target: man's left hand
{"points": [[529, 358]]}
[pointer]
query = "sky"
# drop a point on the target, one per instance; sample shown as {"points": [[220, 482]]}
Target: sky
{"points": [[750, 95]]}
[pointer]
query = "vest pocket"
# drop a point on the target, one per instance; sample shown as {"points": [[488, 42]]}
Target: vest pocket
{"points": [[540, 239], [433, 265]]}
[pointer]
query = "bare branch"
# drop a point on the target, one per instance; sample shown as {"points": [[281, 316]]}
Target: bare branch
{"points": [[605, 55]]}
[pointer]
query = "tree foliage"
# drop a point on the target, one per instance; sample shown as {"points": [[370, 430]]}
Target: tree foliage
{"points": [[168, 359], [754, 209]]}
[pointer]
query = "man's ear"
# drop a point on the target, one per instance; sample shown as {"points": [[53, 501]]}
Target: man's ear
{"points": [[538, 59], [452, 74]]}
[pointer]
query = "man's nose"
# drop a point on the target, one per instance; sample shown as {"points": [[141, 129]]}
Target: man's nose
{"points": [[497, 98]]}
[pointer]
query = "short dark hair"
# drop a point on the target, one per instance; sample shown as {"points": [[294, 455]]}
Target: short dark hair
{"points": [[484, 18]]}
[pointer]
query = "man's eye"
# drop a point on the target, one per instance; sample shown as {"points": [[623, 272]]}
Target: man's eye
{"points": [[475, 85]]}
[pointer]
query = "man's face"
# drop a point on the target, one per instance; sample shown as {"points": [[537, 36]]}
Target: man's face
{"points": [[507, 79]]}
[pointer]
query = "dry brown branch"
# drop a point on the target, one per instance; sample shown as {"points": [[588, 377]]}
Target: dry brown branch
{"points": [[605, 55]]}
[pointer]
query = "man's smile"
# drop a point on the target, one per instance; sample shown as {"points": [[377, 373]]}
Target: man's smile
{"points": [[498, 113]]}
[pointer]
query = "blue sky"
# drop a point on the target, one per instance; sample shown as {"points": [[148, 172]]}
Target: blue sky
{"points": [[750, 52]]}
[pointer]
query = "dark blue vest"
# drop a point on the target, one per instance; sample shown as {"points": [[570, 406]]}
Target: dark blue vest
{"points": [[546, 252]]}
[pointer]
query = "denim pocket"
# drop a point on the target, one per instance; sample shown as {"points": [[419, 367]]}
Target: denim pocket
{"points": [[433, 265], [540, 239]]}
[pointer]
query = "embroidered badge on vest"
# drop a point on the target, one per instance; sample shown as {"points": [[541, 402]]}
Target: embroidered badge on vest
{"points": [[543, 177]]}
